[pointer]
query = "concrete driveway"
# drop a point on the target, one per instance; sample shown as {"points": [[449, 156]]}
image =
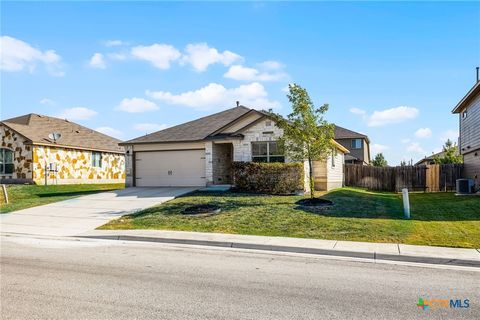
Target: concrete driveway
{"points": [[76, 216]]}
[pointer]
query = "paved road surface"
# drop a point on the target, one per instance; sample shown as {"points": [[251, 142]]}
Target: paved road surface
{"points": [[60, 279]]}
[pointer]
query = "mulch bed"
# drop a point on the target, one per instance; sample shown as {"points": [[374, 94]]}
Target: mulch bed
{"points": [[202, 209], [314, 202]]}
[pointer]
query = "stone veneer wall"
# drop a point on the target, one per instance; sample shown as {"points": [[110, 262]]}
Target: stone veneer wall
{"points": [[75, 166], [129, 166], [262, 131], [222, 163], [22, 158]]}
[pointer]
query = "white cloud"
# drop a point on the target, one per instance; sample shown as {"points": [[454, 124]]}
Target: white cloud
{"points": [[377, 148], [271, 65], [117, 56], [149, 127], [357, 111], [114, 43], [17, 55], [97, 61], [286, 89], [160, 55], [393, 115], [449, 134], [238, 72], [200, 56], [47, 102], [407, 140], [110, 132], [77, 113], [423, 133], [215, 96], [136, 105], [415, 148]]}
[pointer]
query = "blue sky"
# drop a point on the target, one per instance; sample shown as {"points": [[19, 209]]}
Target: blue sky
{"points": [[393, 71]]}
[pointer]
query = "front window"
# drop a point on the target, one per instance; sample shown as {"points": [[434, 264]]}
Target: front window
{"points": [[267, 151], [357, 144], [6, 161], [97, 159]]}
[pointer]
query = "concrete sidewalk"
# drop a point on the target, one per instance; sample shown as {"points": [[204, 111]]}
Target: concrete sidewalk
{"points": [[365, 250], [78, 215]]}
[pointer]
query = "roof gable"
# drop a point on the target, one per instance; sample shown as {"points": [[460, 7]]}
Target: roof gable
{"points": [[36, 128], [462, 104]]}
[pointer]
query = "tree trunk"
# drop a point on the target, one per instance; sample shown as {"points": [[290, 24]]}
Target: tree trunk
{"points": [[311, 178]]}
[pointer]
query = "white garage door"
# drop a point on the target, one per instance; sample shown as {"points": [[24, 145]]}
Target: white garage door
{"points": [[181, 168]]}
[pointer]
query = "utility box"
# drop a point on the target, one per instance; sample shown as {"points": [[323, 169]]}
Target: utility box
{"points": [[465, 186]]}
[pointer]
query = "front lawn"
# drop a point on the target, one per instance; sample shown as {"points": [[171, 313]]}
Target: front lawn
{"points": [[26, 196], [439, 219]]}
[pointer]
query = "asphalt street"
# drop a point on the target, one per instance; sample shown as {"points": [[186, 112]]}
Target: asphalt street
{"points": [[100, 279]]}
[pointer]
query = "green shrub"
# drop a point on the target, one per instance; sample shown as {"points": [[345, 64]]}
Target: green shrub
{"points": [[273, 178]]}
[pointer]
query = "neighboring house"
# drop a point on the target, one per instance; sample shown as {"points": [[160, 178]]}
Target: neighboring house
{"points": [[431, 159], [201, 152], [468, 110], [81, 155], [358, 144]]}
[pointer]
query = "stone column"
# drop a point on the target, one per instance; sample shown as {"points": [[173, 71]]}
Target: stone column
{"points": [[209, 162]]}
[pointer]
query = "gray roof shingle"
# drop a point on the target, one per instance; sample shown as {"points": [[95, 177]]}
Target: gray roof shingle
{"points": [[36, 128], [195, 130], [342, 133]]}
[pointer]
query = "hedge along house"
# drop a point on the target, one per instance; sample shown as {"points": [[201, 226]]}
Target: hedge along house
{"points": [[201, 152], [28, 153]]}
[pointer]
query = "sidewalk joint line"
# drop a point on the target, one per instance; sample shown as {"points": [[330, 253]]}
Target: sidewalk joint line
{"points": [[398, 248]]}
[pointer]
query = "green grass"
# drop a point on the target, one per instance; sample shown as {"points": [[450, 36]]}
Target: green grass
{"points": [[440, 219], [26, 196]]}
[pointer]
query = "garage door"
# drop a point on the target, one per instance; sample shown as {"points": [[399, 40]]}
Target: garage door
{"points": [[181, 168]]}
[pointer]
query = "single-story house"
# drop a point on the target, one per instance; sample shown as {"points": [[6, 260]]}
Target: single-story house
{"points": [[431, 159], [201, 152], [41, 149], [468, 110]]}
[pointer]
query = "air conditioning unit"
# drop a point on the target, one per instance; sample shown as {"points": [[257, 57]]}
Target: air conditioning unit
{"points": [[465, 186]]}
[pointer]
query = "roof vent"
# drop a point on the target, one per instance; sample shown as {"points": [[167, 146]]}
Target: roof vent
{"points": [[238, 102]]}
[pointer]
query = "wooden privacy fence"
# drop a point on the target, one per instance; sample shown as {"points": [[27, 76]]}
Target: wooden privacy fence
{"points": [[430, 178]]}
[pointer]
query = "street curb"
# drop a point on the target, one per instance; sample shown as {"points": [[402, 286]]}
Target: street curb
{"points": [[315, 251]]}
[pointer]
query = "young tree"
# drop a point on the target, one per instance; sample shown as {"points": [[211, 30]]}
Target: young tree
{"points": [[403, 163], [450, 154], [379, 160], [306, 134]]}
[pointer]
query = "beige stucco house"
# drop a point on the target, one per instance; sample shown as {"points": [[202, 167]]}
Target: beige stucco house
{"points": [[201, 152], [468, 110], [30, 154]]}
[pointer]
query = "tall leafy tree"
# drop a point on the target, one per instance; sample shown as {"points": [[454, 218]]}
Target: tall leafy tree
{"points": [[379, 160], [450, 154], [306, 133]]}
